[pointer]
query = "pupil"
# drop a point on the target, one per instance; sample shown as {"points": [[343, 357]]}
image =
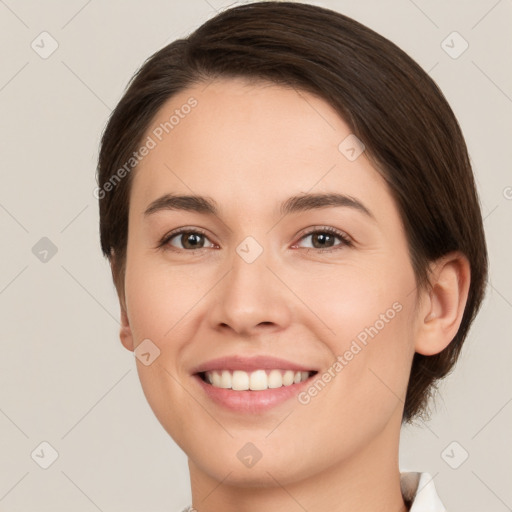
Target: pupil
{"points": [[323, 236], [190, 239]]}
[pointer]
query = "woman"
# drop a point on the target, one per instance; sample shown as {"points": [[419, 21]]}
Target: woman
{"points": [[294, 232]]}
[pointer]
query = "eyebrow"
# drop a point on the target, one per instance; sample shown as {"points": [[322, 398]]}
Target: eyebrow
{"points": [[294, 204]]}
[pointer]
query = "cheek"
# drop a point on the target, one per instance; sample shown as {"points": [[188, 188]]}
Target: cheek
{"points": [[368, 311], [358, 298], [157, 297], [366, 382]]}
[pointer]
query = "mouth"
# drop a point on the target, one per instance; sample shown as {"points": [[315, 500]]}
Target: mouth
{"points": [[257, 380], [254, 384], [252, 392]]}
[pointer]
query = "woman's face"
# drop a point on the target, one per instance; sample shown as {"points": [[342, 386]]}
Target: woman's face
{"points": [[262, 278]]}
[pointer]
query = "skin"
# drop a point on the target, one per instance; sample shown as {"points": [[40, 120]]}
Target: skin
{"points": [[250, 146]]}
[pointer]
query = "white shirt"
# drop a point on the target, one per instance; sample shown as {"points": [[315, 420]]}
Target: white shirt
{"points": [[418, 487]]}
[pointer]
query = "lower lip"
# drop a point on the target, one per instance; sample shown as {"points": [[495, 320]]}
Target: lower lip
{"points": [[252, 401]]}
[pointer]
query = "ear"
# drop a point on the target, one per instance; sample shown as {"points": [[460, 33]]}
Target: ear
{"points": [[125, 333], [442, 307]]}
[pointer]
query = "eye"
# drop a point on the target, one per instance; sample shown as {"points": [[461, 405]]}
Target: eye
{"points": [[193, 239], [189, 239], [323, 238]]}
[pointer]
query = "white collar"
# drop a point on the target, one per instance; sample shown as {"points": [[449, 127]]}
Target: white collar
{"points": [[416, 487], [419, 488]]}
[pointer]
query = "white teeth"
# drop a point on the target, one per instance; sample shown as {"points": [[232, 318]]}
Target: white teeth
{"points": [[240, 381], [225, 381], [274, 379], [288, 378], [257, 380]]}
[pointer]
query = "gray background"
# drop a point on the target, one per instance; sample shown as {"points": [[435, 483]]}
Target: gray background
{"points": [[65, 378]]}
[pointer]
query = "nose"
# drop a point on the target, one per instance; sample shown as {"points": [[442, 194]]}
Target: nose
{"points": [[252, 297]]}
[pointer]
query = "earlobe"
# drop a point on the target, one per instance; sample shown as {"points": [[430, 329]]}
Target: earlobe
{"points": [[443, 306], [125, 332]]}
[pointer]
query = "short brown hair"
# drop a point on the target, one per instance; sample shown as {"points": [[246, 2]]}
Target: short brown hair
{"points": [[410, 132]]}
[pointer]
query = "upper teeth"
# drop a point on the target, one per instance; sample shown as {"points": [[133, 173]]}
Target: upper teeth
{"points": [[239, 380]]}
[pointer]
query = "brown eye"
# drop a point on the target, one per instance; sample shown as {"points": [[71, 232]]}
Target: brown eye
{"points": [[185, 239], [324, 239], [191, 240]]}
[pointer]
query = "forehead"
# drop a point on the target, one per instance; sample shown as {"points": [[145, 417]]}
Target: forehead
{"points": [[250, 143]]}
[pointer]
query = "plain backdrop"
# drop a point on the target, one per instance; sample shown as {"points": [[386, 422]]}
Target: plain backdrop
{"points": [[65, 379]]}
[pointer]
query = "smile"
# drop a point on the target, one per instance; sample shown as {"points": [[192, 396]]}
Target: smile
{"points": [[258, 380]]}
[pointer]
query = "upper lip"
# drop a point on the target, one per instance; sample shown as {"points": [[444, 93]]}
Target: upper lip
{"points": [[248, 364]]}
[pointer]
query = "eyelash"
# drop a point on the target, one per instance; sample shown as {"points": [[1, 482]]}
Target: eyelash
{"points": [[346, 242]]}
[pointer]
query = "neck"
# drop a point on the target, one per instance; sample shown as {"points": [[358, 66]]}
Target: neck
{"points": [[366, 481]]}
